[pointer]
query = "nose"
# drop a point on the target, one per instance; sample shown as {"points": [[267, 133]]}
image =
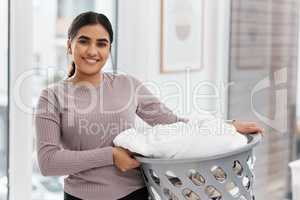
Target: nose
{"points": [[92, 50]]}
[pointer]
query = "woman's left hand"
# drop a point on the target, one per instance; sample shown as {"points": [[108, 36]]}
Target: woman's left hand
{"points": [[247, 127]]}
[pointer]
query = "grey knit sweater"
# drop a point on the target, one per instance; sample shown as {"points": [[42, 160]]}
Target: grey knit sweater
{"points": [[76, 124]]}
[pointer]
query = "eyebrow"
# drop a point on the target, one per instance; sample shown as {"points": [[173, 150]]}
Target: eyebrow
{"points": [[98, 40]]}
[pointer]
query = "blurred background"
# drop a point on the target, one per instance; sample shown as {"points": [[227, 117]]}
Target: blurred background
{"points": [[246, 67]]}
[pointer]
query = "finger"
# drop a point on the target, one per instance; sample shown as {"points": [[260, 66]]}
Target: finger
{"points": [[252, 124], [123, 170], [256, 130], [135, 163], [136, 166], [129, 152]]}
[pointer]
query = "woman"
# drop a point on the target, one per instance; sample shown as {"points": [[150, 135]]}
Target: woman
{"points": [[78, 118]]}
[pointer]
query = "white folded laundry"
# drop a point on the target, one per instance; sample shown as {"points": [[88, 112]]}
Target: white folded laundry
{"points": [[195, 139]]}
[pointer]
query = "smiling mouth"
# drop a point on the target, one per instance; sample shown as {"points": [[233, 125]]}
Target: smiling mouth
{"points": [[91, 60]]}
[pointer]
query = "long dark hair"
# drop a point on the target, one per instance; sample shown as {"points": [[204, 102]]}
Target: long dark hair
{"points": [[84, 19]]}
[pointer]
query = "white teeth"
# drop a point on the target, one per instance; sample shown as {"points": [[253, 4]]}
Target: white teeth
{"points": [[91, 61]]}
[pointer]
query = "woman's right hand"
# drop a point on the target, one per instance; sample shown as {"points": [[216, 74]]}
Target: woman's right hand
{"points": [[123, 160]]}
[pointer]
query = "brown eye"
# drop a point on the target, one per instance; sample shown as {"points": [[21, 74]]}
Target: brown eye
{"points": [[82, 41], [102, 44]]}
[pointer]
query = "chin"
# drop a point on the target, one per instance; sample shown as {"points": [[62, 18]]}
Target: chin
{"points": [[91, 72]]}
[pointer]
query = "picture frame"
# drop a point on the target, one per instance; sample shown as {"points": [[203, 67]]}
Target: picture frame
{"points": [[182, 33]]}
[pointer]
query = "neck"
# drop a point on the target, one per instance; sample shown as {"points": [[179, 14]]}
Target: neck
{"points": [[94, 79]]}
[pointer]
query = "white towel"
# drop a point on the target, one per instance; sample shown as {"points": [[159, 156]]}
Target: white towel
{"points": [[195, 139]]}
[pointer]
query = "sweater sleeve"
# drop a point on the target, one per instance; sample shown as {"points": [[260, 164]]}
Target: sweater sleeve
{"points": [[151, 109], [52, 158]]}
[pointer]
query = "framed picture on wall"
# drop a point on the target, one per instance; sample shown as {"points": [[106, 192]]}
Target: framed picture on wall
{"points": [[182, 23]]}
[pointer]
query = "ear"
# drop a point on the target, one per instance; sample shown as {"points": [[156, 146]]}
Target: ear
{"points": [[69, 47]]}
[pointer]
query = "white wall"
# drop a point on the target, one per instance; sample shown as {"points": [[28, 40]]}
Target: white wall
{"points": [[3, 53], [139, 52], [44, 23], [20, 128]]}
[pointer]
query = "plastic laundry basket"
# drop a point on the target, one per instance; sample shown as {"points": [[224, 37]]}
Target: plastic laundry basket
{"points": [[223, 177]]}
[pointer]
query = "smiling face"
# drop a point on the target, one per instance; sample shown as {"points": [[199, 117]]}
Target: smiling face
{"points": [[90, 49]]}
